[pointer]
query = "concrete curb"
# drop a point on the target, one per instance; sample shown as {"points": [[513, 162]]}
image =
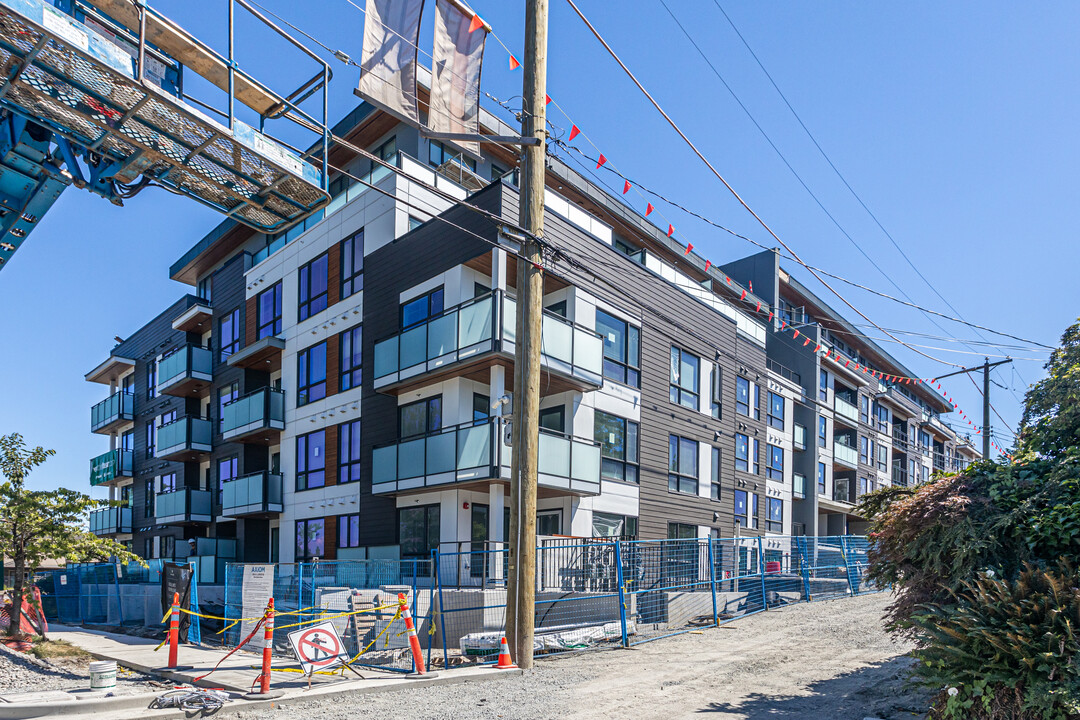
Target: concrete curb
{"points": [[95, 706]]}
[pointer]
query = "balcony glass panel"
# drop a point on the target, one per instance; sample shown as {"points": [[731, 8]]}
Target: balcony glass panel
{"points": [[474, 323], [441, 453], [845, 454], [557, 339], [474, 446], [554, 452], [109, 466], [411, 459], [259, 492], [118, 406], [185, 433], [187, 360], [252, 410], [584, 461], [846, 409], [442, 335]]}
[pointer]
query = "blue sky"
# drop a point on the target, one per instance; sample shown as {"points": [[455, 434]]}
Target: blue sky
{"points": [[954, 122]]}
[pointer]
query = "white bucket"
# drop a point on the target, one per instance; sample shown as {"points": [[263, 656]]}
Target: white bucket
{"points": [[103, 675]]}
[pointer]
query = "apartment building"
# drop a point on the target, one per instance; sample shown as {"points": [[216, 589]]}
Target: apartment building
{"points": [[342, 390]]}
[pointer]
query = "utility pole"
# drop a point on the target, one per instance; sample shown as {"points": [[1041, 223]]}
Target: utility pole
{"points": [[521, 567], [986, 426]]}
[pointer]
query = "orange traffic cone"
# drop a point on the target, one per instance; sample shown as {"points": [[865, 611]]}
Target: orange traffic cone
{"points": [[505, 663]]}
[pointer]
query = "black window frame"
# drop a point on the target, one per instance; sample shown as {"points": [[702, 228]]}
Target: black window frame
{"points": [[310, 306], [821, 478], [742, 407], [149, 495], [771, 418], [771, 471], [346, 538], [351, 364], [432, 308], [430, 512], [678, 480], [304, 474], [352, 280], [716, 488], [429, 425], [151, 438], [823, 431], [481, 408], [823, 387], [676, 390], [676, 531], [716, 392], [446, 152], [626, 371], [619, 468], [305, 522], [742, 463], [265, 327], [348, 461], [234, 468], [151, 380], [771, 525], [305, 381], [232, 342]]}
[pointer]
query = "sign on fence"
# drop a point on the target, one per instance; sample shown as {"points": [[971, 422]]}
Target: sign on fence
{"points": [[258, 586], [176, 579], [318, 647]]}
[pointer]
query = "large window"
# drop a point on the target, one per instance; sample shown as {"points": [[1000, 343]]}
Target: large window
{"points": [[746, 508], [864, 409], [418, 531], [682, 465], [681, 531], [230, 332], [311, 460], [685, 369], [742, 396], [227, 470], [313, 287], [775, 416], [622, 349], [823, 388], [775, 469], [481, 408], [618, 438], [774, 521], [882, 452], [311, 374], [421, 309], [148, 498], [151, 439], [151, 380], [268, 311], [349, 452], [714, 491], [351, 352], [310, 539], [742, 452], [420, 418], [821, 478], [438, 153], [352, 264], [864, 450], [348, 530], [168, 483], [882, 414], [608, 525]]}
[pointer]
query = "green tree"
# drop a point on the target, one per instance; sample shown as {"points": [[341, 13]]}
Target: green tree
{"points": [[1050, 426], [40, 524]]}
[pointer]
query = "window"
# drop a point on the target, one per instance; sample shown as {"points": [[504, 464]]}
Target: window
{"points": [[351, 351], [496, 172], [757, 402], [714, 491], [479, 290], [607, 525], [864, 450], [925, 473], [863, 485], [622, 349], [349, 453], [742, 452], [775, 415], [618, 438], [311, 460], [553, 419], [229, 331], [481, 408], [438, 153], [311, 374], [755, 453], [864, 409], [742, 396], [348, 530], [682, 465], [684, 378], [166, 418], [422, 308], [420, 418], [414, 222], [127, 440], [774, 521], [148, 498], [313, 287], [386, 152], [151, 439], [822, 431], [882, 414], [823, 389], [744, 514], [548, 522], [352, 264], [227, 470], [821, 478], [268, 312], [418, 531], [775, 469], [798, 437], [882, 456], [168, 483], [716, 394], [310, 539], [151, 380], [681, 531], [557, 308], [226, 395], [204, 288], [924, 440]]}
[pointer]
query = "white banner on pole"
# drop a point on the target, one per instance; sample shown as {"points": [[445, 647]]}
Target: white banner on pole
{"points": [[388, 61], [256, 589], [455, 72]]}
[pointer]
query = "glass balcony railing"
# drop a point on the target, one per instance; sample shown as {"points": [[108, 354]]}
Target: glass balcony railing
{"points": [[486, 325], [110, 466], [844, 490], [190, 362], [117, 408], [110, 521], [263, 409], [209, 559], [181, 506], [476, 452], [183, 436], [845, 454], [846, 409], [253, 494]]}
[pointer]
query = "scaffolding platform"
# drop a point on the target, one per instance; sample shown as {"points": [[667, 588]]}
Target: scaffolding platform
{"points": [[78, 81]]}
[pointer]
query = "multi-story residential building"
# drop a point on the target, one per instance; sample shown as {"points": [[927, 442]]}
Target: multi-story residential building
{"points": [[341, 390]]}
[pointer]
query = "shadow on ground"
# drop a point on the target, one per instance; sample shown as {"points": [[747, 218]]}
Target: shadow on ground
{"points": [[883, 690]]}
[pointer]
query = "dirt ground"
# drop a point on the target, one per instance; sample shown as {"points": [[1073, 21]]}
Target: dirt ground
{"points": [[828, 660]]}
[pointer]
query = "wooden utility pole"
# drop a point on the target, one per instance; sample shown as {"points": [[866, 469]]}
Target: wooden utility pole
{"points": [[986, 426], [521, 580]]}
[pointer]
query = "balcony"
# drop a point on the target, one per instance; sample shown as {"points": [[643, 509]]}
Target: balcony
{"points": [[263, 355], [110, 521], [258, 417], [182, 506], [798, 488], [899, 475], [467, 339], [184, 439], [210, 557], [844, 490], [939, 462], [196, 319], [846, 410], [251, 495], [845, 455], [111, 413], [113, 465], [185, 372], [476, 454]]}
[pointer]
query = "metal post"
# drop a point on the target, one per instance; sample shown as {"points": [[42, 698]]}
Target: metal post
{"points": [[521, 593], [805, 568], [622, 593], [119, 599], [712, 583], [232, 66], [442, 610], [761, 568], [142, 39], [847, 566]]}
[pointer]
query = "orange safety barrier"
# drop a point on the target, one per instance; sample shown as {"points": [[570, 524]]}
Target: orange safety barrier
{"points": [[414, 641]]}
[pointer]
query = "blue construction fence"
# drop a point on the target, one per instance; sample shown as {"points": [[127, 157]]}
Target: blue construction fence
{"points": [[588, 593]]}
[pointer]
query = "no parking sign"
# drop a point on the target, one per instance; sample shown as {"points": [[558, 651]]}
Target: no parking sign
{"points": [[318, 647]]}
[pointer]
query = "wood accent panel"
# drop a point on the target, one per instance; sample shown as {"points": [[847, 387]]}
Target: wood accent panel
{"points": [[251, 320], [333, 275], [330, 540], [331, 471], [333, 364]]}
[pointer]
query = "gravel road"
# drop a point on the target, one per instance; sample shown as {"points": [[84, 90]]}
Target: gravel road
{"points": [[822, 660]]}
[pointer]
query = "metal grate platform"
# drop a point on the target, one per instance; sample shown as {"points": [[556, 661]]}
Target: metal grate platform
{"points": [[60, 73]]}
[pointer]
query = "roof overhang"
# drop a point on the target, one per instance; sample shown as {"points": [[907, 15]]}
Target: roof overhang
{"points": [[110, 371]]}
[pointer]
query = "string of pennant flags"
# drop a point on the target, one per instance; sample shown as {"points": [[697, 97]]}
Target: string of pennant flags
{"points": [[773, 318]]}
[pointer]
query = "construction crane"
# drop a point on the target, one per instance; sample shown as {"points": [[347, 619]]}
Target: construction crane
{"points": [[92, 95]]}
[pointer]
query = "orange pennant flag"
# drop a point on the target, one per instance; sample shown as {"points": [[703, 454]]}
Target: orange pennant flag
{"points": [[574, 132], [626, 187], [601, 161], [648, 209], [476, 23], [514, 64]]}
